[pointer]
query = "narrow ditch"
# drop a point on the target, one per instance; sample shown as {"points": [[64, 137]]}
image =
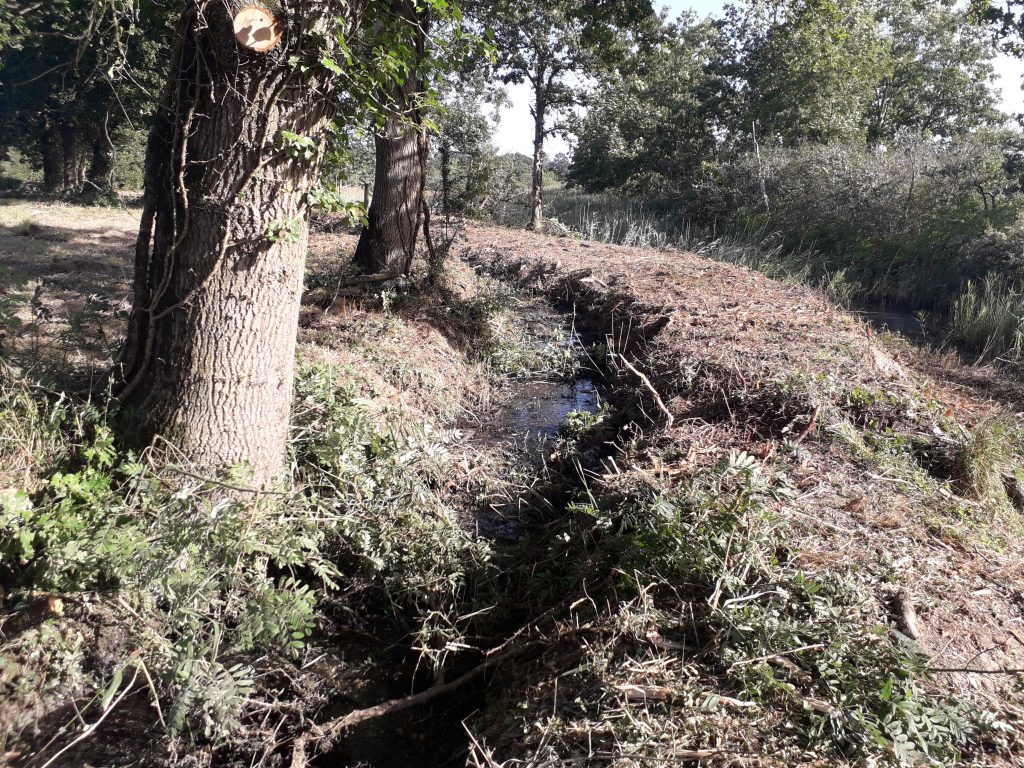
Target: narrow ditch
{"points": [[558, 379]]}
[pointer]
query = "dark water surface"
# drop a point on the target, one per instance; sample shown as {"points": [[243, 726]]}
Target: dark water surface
{"points": [[901, 321], [538, 408]]}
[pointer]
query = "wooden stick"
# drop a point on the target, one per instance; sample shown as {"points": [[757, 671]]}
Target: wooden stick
{"points": [[327, 734], [650, 387]]}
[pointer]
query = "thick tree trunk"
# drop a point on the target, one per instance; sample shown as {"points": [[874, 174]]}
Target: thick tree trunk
{"points": [[100, 176], [209, 359], [537, 181], [53, 164], [388, 242]]}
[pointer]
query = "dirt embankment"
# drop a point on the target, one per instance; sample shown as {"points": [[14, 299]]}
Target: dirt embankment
{"points": [[870, 429], [901, 461]]}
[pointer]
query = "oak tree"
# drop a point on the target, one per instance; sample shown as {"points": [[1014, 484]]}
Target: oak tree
{"points": [[387, 244], [554, 46], [234, 153]]}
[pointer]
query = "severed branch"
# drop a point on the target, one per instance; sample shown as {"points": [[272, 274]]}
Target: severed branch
{"points": [[650, 387], [326, 735]]}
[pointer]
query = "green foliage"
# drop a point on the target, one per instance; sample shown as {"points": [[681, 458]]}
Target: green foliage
{"points": [[581, 428], [987, 319], [783, 72], [466, 160], [652, 120], [394, 530], [82, 73], [1007, 22], [804, 70], [910, 223], [284, 231], [554, 45], [216, 577]]}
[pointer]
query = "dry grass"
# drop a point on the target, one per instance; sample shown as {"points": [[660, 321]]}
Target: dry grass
{"points": [[748, 364]]}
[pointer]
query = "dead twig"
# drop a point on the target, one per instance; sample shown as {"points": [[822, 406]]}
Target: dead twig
{"points": [[650, 388], [326, 735], [811, 424]]}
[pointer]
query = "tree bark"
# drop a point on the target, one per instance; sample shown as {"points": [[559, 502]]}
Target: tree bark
{"points": [[100, 176], [53, 165], [209, 359], [70, 156], [537, 182], [387, 244], [445, 157]]}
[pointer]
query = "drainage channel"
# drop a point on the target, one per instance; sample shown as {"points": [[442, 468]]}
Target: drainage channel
{"points": [[522, 426]]}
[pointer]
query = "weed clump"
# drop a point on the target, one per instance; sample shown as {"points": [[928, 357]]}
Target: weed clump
{"points": [[988, 319], [695, 628], [220, 595]]}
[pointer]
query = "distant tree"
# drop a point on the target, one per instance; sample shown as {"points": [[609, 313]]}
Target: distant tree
{"points": [[82, 72], [939, 76], [554, 46], [466, 156], [652, 123], [803, 69], [387, 244], [559, 165]]}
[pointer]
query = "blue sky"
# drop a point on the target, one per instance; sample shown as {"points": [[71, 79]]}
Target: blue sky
{"points": [[516, 127]]}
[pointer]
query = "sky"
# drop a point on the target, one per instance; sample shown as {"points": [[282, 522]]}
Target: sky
{"points": [[515, 130]]}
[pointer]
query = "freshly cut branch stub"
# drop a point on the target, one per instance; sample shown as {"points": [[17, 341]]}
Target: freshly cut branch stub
{"points": [[257, 28]]}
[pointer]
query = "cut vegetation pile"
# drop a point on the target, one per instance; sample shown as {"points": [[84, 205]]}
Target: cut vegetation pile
{"points": [[808, 547]]}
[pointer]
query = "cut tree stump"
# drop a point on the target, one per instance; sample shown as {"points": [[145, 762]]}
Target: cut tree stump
{"points": [[258, 28]]}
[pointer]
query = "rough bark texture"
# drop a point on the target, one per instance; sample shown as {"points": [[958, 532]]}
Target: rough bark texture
{"points": [[64, 166], [537, 185], [208, 363], [388, 242], [100, 176], [74, 168], [53, 161]]}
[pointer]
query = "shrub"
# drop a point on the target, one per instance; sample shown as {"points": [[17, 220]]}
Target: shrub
{"points": [[224, 587], [987, 319]]}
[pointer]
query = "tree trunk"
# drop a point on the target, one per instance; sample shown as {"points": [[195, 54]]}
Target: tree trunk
{"points": [[209, 358], [53, 166], [445, 157], [388, 242], [537, 185], [70, 156], [100, 176]]}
